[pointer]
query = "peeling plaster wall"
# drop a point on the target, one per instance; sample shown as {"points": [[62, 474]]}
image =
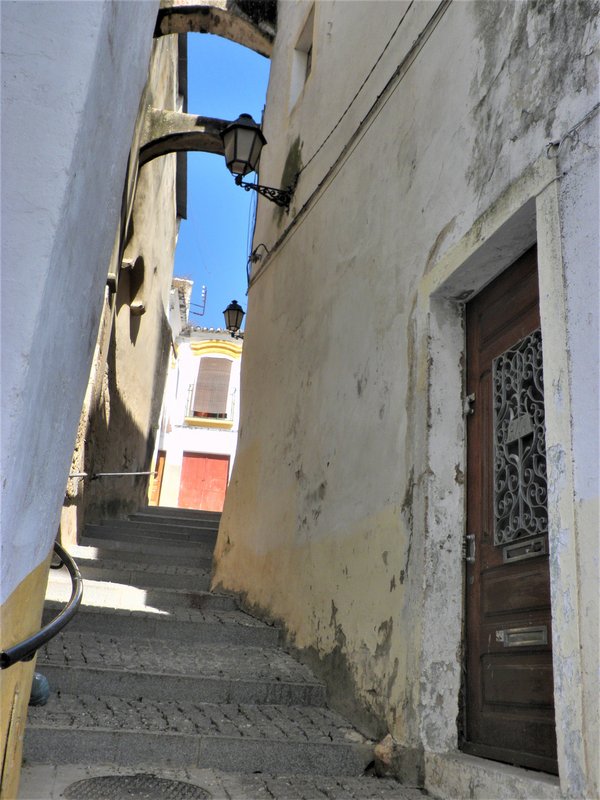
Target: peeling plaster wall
{"points": [[571, 209], [344, 518], [580, 230]]}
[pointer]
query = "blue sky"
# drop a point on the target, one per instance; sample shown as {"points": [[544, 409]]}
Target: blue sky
{"points": [[224, 80]]}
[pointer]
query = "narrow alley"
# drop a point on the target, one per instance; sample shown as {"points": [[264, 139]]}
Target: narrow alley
{"points": [[397, 418], [161, 689]]}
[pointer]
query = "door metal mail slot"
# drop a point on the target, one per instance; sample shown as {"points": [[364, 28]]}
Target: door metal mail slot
{"points": [[522, 550], [523, 637]]}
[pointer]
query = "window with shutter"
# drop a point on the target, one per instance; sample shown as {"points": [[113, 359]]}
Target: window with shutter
{"points": [[212, 388]]}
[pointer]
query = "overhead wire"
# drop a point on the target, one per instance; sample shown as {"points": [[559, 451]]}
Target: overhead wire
{"points": [[358, 91]]}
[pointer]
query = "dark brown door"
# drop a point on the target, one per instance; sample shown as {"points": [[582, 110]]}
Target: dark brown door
{"points": [[509, 702]]}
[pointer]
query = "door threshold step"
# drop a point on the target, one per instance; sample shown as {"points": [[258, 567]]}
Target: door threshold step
{"points": [[231, 737]]}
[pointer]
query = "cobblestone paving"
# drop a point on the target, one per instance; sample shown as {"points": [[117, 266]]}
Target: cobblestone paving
{"points": [[87, 555], [156, 656], [296, 723], [177, 614], [113, 593], [48, 783], [135, 533]]}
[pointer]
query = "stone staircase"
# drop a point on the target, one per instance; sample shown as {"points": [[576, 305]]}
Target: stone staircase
{"points": [[161, 689]]}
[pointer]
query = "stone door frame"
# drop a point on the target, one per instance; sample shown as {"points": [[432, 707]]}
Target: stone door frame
{"points": [[528, 212]]}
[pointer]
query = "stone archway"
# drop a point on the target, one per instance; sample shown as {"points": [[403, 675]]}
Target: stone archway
{"points": [[251, 24]]}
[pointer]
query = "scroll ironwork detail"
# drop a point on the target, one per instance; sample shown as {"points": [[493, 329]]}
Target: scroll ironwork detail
{"points": [[520, 483]]}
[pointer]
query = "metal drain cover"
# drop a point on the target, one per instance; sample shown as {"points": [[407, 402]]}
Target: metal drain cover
{"points": [[142, 786]]}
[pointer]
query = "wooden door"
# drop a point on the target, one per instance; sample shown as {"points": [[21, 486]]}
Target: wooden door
{"points": [[509, 700], [203, 481], [156, 479]]}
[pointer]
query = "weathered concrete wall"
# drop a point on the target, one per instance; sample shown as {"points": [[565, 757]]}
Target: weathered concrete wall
{"points": [[572, 209], [120, 415], [72, 78], [422, 164]]}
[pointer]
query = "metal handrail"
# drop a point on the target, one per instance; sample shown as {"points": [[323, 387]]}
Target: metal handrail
{"points": [[96, 475], [25, 650]]}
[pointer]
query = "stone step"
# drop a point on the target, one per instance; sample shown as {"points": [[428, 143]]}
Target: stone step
{"points": [[174, 525], [110, 594], [144, 576], [178, 513], [179, 625], [41, 782], [193, 533], [157, 552], [80, 662], [88, 729], [142, 538], [195, 529], [111, 550]]}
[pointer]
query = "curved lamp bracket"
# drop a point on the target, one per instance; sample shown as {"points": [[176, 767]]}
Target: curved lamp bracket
{"points": [[173, 131]]}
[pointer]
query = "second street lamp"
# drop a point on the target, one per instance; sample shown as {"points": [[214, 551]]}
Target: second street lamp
{"points": [[234, 314]]}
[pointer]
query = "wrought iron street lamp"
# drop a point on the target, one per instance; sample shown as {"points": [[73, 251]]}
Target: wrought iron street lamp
{"points": [[234, 314], [243, 141]]}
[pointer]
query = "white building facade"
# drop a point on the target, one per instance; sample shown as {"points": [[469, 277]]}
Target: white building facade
{"points": [[197, 440]]}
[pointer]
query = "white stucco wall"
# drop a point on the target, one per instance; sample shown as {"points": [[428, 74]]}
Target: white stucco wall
{"points": [[345, 514], [72, 77]]}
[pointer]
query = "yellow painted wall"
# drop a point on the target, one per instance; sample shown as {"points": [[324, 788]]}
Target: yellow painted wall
{"points": [[20, 617]]}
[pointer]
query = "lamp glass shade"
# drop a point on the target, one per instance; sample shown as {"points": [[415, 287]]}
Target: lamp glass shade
{"points": [[234, 314], [242, 141]]}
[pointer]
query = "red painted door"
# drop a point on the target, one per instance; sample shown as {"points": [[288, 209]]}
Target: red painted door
{"points": [[203, 481]]}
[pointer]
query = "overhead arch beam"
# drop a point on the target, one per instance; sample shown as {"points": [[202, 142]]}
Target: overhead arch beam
{"points": [[221, 17], [172, 132]]}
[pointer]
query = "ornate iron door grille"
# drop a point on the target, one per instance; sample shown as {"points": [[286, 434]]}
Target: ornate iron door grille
{"points": [[520, 484]]}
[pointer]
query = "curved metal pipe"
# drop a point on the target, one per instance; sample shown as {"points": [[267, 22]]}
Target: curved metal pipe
{"points": [[25, 650]]}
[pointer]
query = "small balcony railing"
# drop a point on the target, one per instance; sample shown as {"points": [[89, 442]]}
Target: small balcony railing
{"points": [[200, 417]]}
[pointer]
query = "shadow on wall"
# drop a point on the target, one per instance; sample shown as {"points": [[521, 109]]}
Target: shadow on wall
{"points": [[114, 441]]}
